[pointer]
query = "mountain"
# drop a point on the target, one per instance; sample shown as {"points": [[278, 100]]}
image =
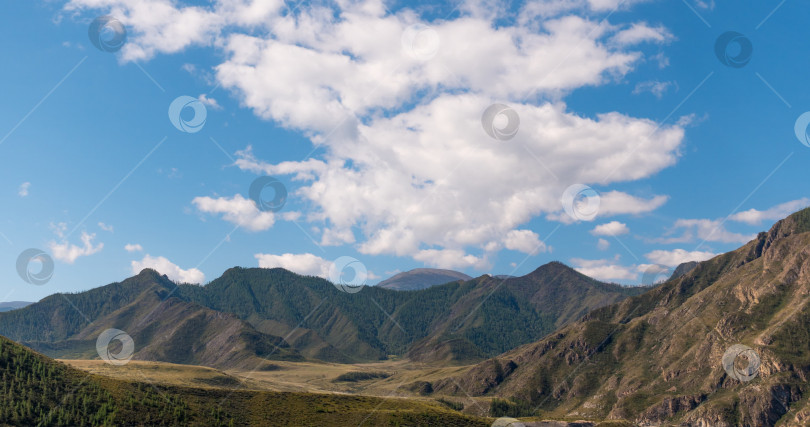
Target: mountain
{"points": [[422, 278], [658, 358], [173, 331], [240, 316], [13, 305], [683, 268], [37, 390]]}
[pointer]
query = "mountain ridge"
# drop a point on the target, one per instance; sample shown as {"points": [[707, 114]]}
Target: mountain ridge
{"points": [[656, 358], [461, 322]]}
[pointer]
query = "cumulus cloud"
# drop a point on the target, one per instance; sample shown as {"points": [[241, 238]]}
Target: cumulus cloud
{"points": [[406, 168], [602, 245], [525, 241], [613, 228], [678, 256], [710, 230], [236, 210], [170, 269], [304, 264], [68, 252], [604, 269], [130, 247], [106, 227], [756, 217]]}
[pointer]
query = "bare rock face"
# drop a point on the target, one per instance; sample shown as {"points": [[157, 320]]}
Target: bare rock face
{"points": [[657, 358]]}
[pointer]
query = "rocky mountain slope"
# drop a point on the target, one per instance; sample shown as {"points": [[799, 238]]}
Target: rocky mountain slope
{"points": [[658, 358]]}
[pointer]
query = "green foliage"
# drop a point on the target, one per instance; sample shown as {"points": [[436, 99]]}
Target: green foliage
{"points": [[510, 408], [360, 376]]}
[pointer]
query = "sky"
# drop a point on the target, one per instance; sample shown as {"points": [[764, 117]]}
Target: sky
{"points": [[619, 137]]}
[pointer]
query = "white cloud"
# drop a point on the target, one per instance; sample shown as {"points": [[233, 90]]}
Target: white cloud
{"points": [[641, 33], [604, 269], [602, 245], [613, 228], [23, 190], [236, 210], [209, 102], [402, 139], [67, 252], [130, 247], [304, 264], [105, 227], [710, 230], [658, 89], [525, 241], [756, 217], [450, 259], [170, 269], [678, 256]]}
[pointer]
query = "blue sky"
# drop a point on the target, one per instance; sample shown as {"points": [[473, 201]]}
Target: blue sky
{"points": [[370, 113]]}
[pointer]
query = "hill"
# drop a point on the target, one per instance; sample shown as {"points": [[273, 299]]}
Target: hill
{"points": [[659, 357], [36, 390], [175, 331], [240, 315], [422, 278]]}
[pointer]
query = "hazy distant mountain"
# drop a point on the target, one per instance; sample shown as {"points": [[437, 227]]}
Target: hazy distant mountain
{"points": [[240, 315], [421, 278], [657, 359], [13, 305]]}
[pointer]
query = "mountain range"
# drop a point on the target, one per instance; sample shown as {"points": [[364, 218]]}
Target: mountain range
{"points": [[240, 318], [658, 358]]}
